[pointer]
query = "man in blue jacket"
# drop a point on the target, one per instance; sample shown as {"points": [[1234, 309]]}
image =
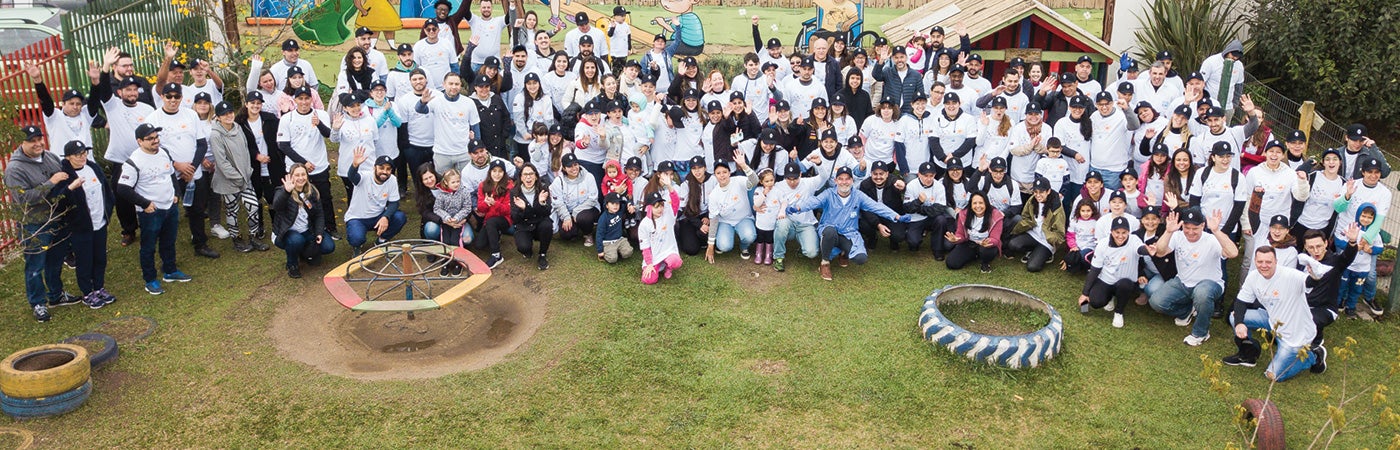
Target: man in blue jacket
{"points": [[839, 227]]}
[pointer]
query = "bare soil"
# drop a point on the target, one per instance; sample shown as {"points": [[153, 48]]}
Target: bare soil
{"points": [[770, 367], [127, 330], [473, 333], [43, 361]]}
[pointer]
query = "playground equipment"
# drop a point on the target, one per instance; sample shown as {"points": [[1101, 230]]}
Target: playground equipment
{"points": [[327, 23], [849, 16], [399, 276]]}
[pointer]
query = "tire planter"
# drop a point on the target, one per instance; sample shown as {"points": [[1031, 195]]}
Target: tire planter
{"points": [[102, 357], [1269, 431], [44, 371], [1014, 352], [34, 408], [26, 438]]}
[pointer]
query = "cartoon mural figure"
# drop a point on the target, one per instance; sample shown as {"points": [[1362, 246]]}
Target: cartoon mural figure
{"points": [[687, 35], [840, 16]]}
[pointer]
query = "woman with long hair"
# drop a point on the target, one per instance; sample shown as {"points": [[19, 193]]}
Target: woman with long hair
{"points": [[426, 200], [855, 95], [260, 132], [493, 207], [356, 73], [1180, 180], [530, 211], [693, 225], [298, 221], [1041, 229], [260, 80], [978, 235], [532, 106], [558, 81], [296, 79], [588, 85]]}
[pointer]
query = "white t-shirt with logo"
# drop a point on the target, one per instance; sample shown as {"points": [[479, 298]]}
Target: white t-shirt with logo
{"points": [[1283, 296], [305, 138], [92, 192], [122, 121], [180, 132], [370, 196], [1197, 261], [150, 175]]}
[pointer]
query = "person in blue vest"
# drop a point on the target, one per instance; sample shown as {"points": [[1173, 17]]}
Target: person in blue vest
{"points": [[839, 227]]}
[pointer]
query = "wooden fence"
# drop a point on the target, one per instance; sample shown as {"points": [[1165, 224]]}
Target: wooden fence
{"points": [[17, 90], [896, 4]]}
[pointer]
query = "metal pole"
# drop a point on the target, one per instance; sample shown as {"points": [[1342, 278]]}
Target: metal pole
{"points": [[407, 253]]}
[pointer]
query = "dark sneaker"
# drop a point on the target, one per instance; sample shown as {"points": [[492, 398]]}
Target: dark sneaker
{"points": [[1083, 308], [543, 262], [1026, 259], [744, 254], [93, 300], [70, 261], [493, 261], [41, 313], [294, 271], [778, 264], [986, 268], [206, 252], [106, 297], [446, 269], [1320, 365], [65, 299], [1236, 360], [241, 246], [177, 276], [153, 287], [334, 237], [128, 239], [1375, 306], [259, 245], [456, 269], [1351, 314]]}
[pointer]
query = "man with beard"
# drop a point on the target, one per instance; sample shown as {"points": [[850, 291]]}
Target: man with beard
{"points": [[376, 202], [838, 227]]}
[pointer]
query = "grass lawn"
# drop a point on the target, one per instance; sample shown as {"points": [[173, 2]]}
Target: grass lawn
{"points": [[721, 355]]}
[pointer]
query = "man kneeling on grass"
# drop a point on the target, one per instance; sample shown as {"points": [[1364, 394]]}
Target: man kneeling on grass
{"points": [[376, 202], [1273, 298], [839, 226]]}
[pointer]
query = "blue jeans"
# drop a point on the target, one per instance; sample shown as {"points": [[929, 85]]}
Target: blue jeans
{"points": [[1069, 193], [158, 229], [1285, 363], [303, 245], [43, 263], [744, 229], [1111, 179], [805, 234], [355, 229], [1176, 300], [1355, 285], [1153, 284], [432, 231]]}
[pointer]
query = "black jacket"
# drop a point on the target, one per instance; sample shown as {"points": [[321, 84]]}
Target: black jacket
{"points": [[1323, 290], [858, 104], [735, 122], [277, 166], [495, 124], [285, 213], [77, 216], [893, 198], [534, 215]]}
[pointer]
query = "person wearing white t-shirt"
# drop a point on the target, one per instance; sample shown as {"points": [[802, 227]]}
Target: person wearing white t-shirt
{"points": [[354, 129], [452, 114], [70, 120], [203, 80], [148, 183], [1274, 298], [585, 28], [291, 57], [1112, 283], [486, 29], [1235, 136], [186, 140], [301, 135], [88, 197], [434, 54], [375, 205], [1199, 281], [619, 38], [125, 112], [364, 39]]}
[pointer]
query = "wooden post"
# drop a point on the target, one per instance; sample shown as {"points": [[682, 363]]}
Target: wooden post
{"points": [[1305, 118], [1108, 6]]}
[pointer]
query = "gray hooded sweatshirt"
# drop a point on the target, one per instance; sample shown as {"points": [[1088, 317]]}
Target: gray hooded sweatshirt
{"points": [[233, 170], [27, 180]]}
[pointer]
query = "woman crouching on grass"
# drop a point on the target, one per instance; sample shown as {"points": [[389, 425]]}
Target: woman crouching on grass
{"points": [[978, 235], [1112, 282], [657, 238], [299, 221]]}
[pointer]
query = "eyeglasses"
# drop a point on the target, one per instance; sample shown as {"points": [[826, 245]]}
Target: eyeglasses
{"points": [[172, 96], [151, 138]]}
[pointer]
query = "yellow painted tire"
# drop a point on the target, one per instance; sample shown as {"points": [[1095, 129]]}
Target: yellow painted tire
{"points": [[44, 371]]}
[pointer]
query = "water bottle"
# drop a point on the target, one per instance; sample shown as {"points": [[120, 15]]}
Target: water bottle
{"points": [[188, 199]]}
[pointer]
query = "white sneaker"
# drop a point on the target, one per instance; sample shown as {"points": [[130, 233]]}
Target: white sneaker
{"points": [[1194, 341], [1109, 307], [218, 231], [1187, 320], [1117, 320]]}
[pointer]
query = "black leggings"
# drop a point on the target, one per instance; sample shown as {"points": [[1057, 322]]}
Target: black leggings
{"points": [[322, 183], [493, 228], [1125, 291], [1322, 317], [584, 224], [764, 237], [964, 252], [1039, 255], [525, 239], [870, 228], [126, 211], [689, 239], [831, 240]]}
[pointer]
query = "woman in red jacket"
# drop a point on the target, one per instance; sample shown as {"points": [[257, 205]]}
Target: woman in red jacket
{"points": [[493, 203], [978, 236]]}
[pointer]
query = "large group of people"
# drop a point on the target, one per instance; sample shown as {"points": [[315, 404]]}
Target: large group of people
{"points": [[1148, 185]]}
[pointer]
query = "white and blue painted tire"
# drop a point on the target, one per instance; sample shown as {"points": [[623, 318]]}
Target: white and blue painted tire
{"points": [[1014, 352]]}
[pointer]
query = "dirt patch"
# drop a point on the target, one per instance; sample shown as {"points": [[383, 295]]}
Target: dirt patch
{"points": [[127, 330], [757, 279], [16, 438], [473, 333], [43, 361], [994, 318], [769, 367]]}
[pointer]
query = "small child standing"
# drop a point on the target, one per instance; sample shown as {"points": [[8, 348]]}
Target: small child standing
{"points": [[657, 236], [1079, 236], [765, 218], [611, 235], [539, 153], [453, 204], [1356, 281], [619, 38], [1053, 166]]}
